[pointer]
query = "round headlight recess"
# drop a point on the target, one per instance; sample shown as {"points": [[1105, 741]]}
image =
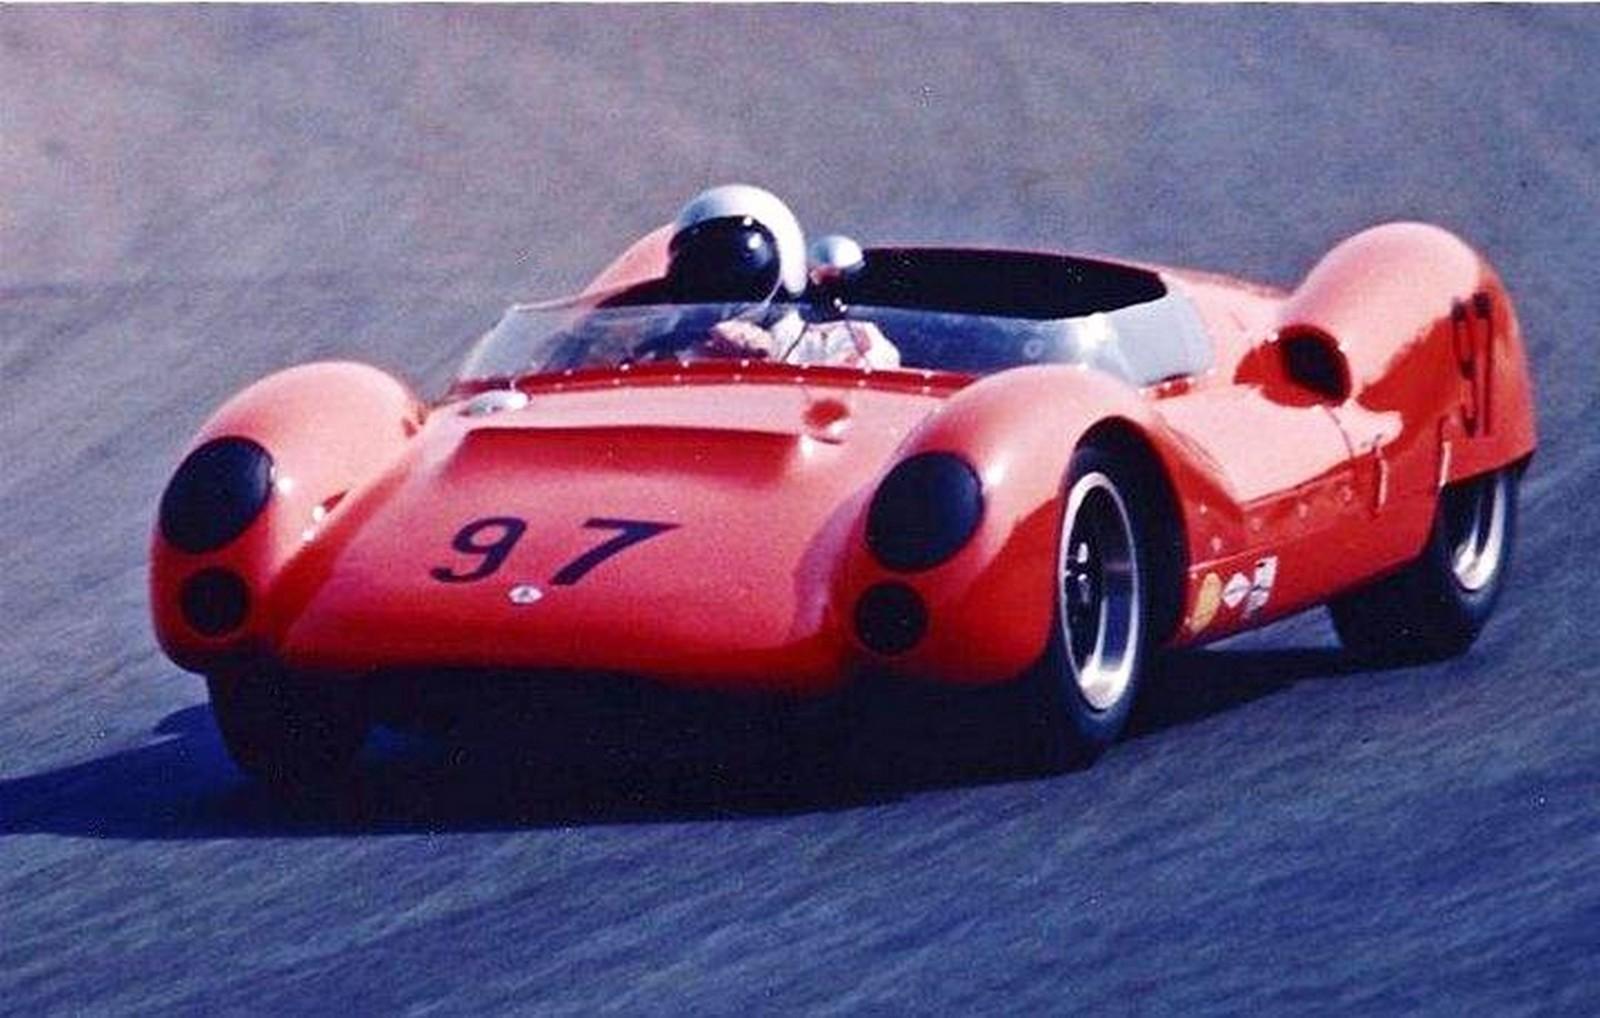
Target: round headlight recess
{"points": [[890, 618], [217, 491], [925, 511], [214, 601]]}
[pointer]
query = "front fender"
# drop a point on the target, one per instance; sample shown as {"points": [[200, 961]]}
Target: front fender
{"points": [[990, 606], [331, 428]]}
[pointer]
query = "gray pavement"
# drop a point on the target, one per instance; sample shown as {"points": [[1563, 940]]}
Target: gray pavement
{"points": [[193, 197]]}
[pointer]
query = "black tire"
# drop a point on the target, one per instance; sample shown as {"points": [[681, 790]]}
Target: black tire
{"points": [[1435, 607], [291, 734], [1108, 580]]}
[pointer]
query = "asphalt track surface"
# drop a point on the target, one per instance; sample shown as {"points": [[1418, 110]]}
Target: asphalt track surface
{"points": [[190, 199]]}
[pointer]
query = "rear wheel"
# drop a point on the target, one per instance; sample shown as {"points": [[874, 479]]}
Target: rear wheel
{"points": [[1084, 688], [1436, 606], [287, 732]]}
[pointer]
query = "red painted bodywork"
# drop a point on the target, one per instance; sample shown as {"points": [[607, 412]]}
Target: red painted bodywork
{"points": [[765, 471]]}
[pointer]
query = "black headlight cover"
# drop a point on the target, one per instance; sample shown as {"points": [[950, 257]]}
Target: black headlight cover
{"points": [[217, 491], [925, 511]]}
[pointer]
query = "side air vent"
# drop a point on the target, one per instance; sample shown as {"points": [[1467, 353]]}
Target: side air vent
{"points": [[1314, 361]]}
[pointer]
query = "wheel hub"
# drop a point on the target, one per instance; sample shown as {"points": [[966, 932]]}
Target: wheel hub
{"points": [[1100, 593], [1476, 528]]}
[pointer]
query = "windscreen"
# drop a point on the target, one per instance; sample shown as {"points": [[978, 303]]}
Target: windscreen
{"points": [[1142, 343]]}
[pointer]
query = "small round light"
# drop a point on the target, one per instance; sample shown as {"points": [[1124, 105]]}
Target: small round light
{"points": [[925, 510], [217, 491], [890, 618], [214, 601], [495, 401]]}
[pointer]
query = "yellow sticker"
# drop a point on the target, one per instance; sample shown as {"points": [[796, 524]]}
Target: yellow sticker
{"points": [[1206, 603]]}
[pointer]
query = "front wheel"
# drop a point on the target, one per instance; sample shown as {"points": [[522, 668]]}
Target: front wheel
{"points": [[1084, 688], [1435, 607], [289, 733]]}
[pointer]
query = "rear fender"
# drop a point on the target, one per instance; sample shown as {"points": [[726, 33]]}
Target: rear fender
{"points": [[1432, 341], [331, 429]]}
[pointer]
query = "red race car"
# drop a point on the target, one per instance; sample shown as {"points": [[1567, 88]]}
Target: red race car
{"points": [[737, 464]]}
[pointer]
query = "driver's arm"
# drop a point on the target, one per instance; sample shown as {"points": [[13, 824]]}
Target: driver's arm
{"points": [[845, 344], [737, 338]]}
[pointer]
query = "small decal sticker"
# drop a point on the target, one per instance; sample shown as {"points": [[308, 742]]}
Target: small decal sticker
{"points": [[1261, 587], [524, 593], [1206, 603], [1236, 590]]}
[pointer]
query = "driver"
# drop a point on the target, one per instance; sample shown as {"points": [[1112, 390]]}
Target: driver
{"points": [[741, 244]]}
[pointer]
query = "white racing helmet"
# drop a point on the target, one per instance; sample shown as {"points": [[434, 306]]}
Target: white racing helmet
{"points": [[737, 242]]}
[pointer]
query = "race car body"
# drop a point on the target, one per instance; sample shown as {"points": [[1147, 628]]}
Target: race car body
{"points": [[1070, 463]]}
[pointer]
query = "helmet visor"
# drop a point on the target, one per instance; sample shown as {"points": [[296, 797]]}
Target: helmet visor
{"points": [[733, 259]]}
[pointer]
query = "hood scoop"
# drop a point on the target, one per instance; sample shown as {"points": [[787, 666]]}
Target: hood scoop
{"points": [[634, 449], [780, 412]]}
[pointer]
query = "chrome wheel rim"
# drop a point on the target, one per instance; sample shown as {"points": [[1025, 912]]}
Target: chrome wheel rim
{"points": [[1475, 527], [1099, 592]]}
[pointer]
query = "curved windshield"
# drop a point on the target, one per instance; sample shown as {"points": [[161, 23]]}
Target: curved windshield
{"points": [[586, 333]]}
